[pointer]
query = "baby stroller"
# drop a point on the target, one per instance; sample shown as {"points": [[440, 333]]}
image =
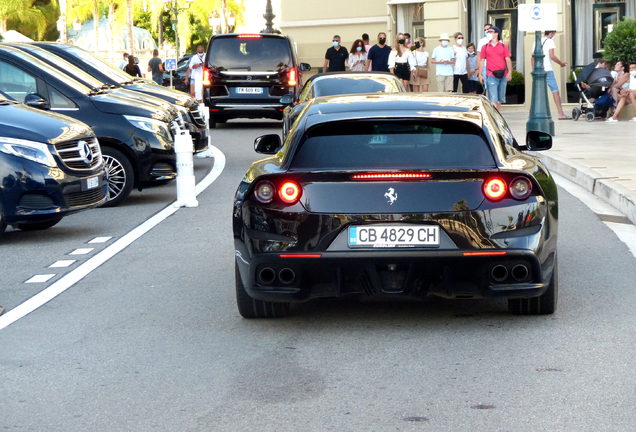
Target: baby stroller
{"points": [[593, 84]]}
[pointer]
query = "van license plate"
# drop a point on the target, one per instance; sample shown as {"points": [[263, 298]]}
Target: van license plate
{"points": [[92, 183], [250, 90]]}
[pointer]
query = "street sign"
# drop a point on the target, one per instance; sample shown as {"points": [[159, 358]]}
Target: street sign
{"points": [[171, 64], [537, 17]]}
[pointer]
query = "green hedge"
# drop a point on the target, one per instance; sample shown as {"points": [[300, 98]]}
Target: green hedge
{"points": [[620, 44]]}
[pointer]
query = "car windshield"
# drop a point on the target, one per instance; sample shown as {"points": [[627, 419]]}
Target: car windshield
{"points": [[393, 144], [354, 85], [104, 67], [67, 67], [249, 54]]}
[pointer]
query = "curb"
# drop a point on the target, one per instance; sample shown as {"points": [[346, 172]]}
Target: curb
{"points": [[615, 194]]}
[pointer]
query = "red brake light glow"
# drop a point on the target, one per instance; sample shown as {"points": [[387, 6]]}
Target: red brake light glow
{"points": [[292, 77], [207, 80], [289, 192], [391, 176], [300, 255], [249, 36], [495, 189], [484, 253]]}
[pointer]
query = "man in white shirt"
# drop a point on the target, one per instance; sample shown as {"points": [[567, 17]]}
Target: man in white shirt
{"points": [[124, 62], [444, 59], [194, 74], [549, 57], [483, 41]]}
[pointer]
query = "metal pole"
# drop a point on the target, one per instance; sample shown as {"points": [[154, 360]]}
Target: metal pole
{"points": [[540, 118]]}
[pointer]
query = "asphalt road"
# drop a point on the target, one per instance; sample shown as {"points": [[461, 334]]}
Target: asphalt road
{"points": [[151, 340]]}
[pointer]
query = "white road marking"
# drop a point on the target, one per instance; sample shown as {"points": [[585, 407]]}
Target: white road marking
{"points": [[625, 232], [82, 251], [94, 262], [100, 239], [62, 263], [40, 278]]}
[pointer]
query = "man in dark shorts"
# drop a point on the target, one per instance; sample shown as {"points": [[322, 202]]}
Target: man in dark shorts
{"points": [[378, 56], [156, 67], [335, 57]]}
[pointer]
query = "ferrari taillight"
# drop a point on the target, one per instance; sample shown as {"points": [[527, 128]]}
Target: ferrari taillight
{"points": [[289, 192], [292, 77], [207, 77], [495, 189], [520, 188]]}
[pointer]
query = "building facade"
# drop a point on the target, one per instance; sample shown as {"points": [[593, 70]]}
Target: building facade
{"points": [[581, 29]]}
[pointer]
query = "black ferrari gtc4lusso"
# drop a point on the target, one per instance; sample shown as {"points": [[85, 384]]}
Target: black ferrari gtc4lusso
{"points": [[402, 194]]}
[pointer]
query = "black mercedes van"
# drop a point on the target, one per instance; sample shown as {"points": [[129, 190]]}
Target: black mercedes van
{"points": [[246, 75]]}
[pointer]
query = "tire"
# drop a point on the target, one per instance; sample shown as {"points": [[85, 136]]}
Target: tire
{"points": [[589, 117], [120, 174], [3, 225], [545, 304], [576, 113], [38, 225], [251, 308], [221, 120], [212, 122]]}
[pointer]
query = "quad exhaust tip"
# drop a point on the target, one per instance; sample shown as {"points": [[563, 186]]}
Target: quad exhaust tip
{"points": [[520, 272], [267, 275], [287, 276], [499, 273]]}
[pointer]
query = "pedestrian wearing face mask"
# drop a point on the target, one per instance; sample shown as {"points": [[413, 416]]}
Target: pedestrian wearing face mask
{"points": [[407, 40], [472, 68], [499, 69], [335, 57], [378, 55], [548, 57], [460, 69], [483, 41], [401, 61], [357, 56], [444, 59], [420, 80]]}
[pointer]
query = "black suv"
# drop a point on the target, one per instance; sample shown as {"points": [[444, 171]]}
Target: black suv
{"points": [[50, 167], [247, 74], [136, 138]]}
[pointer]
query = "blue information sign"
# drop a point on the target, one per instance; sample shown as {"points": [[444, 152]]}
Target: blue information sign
{"points": [[171, 64]]}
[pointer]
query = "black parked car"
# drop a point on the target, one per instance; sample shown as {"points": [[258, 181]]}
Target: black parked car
{"points": [[136, 138], [338, 83], [111, 75], [397, 195], [50, 167], [247, 74]]}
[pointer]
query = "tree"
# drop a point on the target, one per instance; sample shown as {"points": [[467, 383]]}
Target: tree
{"points": [[620, 44], [21, 11]]}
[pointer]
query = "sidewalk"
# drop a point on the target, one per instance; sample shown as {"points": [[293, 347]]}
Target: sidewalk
{"points": [[598, 156]]}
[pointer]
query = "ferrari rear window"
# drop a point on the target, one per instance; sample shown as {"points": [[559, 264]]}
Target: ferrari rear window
{"points": [[352, 85], [386, 144]]}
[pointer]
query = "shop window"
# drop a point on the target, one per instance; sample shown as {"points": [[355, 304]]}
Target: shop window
{"points": [[418, 20], [606, 15]]}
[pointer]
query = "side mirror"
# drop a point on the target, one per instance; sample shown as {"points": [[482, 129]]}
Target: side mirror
{"points": [[34, 100], [538, 141], [287, 100], [305, 67], [268, 144]]}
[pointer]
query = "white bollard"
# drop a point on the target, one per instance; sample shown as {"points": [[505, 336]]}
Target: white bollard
{"points": [[186, 183], [205, 112]]}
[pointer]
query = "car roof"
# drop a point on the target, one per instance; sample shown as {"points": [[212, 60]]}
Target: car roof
{"points": [[352, 74]]}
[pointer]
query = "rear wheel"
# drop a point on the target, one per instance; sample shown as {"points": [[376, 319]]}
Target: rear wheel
{"points": [[121, 176], [212, 122], [589, 116], [38, 225], [543, 305], [251, 308], [576, 113], [3, 225]]}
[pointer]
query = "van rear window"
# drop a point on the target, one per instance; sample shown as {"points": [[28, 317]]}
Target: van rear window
{"points": [[386, 144], [250, 54]]}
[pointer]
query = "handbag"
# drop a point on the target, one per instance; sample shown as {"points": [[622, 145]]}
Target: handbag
{"points": [[422, 72]]}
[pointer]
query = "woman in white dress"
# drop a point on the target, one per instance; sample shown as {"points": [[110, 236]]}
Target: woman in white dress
{"points": [[419, 83], [402, 62], [357, 56]]}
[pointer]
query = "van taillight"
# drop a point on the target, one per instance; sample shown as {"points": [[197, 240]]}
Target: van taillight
{"points": [[292, 77], [207, 77]]}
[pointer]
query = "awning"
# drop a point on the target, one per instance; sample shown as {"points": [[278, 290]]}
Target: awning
{"points": [[397, 2]]}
